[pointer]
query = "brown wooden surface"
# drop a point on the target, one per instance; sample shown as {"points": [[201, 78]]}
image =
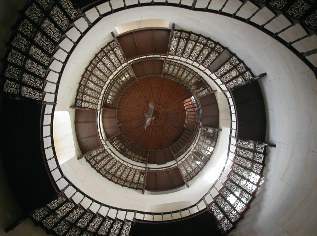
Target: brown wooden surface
{"points": [[144, 42], [86, 130], [209, 111], [160, 156], [148, 68], [169, 112], [164, 180], [110, 122]]}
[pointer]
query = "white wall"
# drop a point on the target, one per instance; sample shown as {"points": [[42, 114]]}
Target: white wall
{"points": [[287, 202]]}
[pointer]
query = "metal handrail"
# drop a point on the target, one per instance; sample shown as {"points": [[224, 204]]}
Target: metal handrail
{"points": [[248, 20], [142, 212], [150, 213], [134, 211]]}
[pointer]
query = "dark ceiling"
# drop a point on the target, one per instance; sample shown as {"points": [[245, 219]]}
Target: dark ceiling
{"points": [[167, 97], [200, 225]]}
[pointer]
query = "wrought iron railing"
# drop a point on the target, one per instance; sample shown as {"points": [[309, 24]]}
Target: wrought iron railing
{"points": [[47, 34], [226, 223], [39, 31], [118, 172], [64, 216], [277, 18]]}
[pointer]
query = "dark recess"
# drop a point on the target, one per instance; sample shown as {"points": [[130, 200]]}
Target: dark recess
{"points": [[22, 153], [201, 225], [164, 180], [251, 112]]}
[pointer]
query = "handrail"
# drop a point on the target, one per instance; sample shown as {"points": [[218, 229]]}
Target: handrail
{"points": [[119, 209], [307, 18], [304, 20], [149, 213]]}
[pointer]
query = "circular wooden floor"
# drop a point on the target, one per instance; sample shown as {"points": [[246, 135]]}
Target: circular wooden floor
{"points": [[165, 116]]}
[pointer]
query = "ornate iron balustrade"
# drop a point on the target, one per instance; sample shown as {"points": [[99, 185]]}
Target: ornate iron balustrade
{"points": [[234, 73], [197, 159], [66, 186], [182, 212], [117, 86], [124, 145], [41, 27], [96, 76], [116, 171], [183, 75], [194, 47], [71, 190], [36, 35], [277, 18], [204, 51], [64, 216], [243, 181]]}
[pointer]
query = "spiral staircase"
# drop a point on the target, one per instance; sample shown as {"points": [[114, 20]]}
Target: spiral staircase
{"points": [[43, 41]]}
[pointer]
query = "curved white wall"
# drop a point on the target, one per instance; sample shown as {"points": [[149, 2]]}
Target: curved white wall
{"points": [[286, 203]]}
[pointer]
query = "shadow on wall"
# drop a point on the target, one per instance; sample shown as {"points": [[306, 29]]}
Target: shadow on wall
{"points": [[8, 16], [9, 209]]}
